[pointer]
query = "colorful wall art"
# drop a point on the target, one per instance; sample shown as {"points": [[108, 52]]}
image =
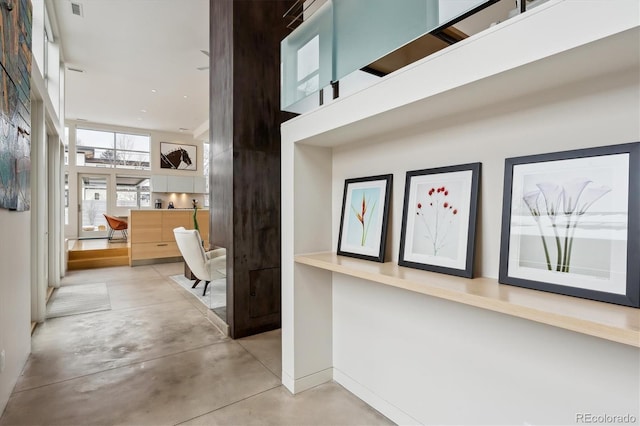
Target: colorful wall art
{"points": [[15, 105]]}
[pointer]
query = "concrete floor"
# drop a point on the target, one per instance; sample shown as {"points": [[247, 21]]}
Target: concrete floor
{"points": [[155, 359]]}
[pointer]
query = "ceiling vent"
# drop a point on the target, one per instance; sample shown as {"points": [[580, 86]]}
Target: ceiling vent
{"points": [[76, 9], [75, 69]]}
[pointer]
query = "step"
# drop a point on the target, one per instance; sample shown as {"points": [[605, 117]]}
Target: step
{"points": [[98, 262], [98, 253]]}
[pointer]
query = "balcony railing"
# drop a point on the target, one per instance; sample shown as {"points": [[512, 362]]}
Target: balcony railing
{"points": [[341, 46]]}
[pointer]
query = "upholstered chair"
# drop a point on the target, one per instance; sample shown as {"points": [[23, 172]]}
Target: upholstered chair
{"points": [[116, 224], [205, 266]]}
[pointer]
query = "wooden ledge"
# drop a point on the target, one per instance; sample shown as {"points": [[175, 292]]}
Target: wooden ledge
{"points": [[604, 320]]}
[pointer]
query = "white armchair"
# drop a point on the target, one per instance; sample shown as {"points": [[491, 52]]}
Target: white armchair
{"points": [[206, 266]]}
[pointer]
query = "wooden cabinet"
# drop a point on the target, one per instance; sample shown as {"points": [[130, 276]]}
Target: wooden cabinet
{"points": [[159, 183], [171, 220], [148, 227], [199, 185], [151, 233], [181, 184]]}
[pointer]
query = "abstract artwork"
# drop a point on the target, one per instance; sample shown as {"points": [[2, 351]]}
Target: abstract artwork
{"points": [[365, 213], [568, 223], [439, 219], [15, 105], [178, 156]]}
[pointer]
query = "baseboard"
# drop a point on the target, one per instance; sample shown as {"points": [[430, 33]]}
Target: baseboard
{"points": [[307, 382], [387, 409], [218, 322]]}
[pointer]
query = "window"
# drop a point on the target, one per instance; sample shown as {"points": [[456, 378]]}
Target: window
{"points": [[132, 192], [97, 148]]}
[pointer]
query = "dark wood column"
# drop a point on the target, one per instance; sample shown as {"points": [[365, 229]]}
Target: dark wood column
{"points": [[245, 156]]}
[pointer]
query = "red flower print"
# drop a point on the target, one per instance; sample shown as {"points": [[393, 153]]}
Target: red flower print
{"points": [[445, 205], [419, 205], [455, 211]]}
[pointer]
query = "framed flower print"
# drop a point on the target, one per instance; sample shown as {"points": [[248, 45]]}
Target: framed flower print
{"points": [[365, 213], [439, 219], [571, 223]]}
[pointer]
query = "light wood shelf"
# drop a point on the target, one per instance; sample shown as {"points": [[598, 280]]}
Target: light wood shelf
{"points": [[607, 321]]}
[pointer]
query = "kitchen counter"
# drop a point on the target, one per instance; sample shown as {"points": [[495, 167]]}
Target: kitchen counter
{"points": [[151, 233]]}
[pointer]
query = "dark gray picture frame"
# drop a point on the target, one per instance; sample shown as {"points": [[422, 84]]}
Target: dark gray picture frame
{"points": [[356, 213], [574, 201], [439, 208]]}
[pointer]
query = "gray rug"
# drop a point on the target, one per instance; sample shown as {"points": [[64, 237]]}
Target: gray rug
{"points": [[79, 299], [216, 296]]}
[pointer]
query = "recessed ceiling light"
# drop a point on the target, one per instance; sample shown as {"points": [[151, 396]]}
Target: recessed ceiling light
{"points": [[143, 110], [185, 96], [154, 91], [182, 129]]}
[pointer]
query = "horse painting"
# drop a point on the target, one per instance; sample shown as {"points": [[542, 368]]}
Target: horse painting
{"points": [[176, 158]]}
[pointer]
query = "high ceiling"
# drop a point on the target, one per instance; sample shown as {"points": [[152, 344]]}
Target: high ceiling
{"points": [[130, 48]]}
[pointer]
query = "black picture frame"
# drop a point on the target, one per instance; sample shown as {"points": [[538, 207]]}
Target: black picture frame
{"points": [[588, 244], [439, 219], [354, 239], [178, 156]]}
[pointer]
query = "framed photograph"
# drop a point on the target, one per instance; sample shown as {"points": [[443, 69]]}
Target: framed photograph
{"points": [[365, 213], [439, 219], [178, 156], [571, 221]]}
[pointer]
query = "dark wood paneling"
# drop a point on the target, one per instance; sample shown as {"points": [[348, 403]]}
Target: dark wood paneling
{"points": [[221, 75], [264, 292], [245, 156]]}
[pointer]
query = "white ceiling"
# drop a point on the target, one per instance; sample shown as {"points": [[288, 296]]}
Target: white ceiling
{"points": [[127, 48]]}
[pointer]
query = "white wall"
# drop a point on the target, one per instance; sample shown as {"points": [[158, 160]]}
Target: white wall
{"points": [[17, 265], [501, 93], [15, 284], [437, 362]]}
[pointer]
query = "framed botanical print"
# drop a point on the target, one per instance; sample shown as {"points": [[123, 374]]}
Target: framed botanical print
{"points": [[571, 223], [365, 213], [439, 219]]}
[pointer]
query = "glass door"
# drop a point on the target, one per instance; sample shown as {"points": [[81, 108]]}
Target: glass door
{"points": [[92, 204]]}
